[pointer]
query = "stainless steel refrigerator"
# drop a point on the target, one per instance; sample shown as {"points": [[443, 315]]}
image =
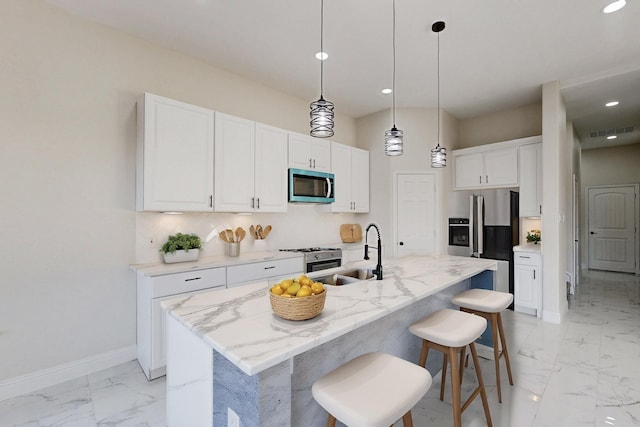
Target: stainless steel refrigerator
{"points": [[494, 231]]}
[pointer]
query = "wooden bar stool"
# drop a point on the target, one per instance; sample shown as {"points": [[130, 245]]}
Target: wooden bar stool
{"points": [[490, 305], [450, 332], [372, 390]]}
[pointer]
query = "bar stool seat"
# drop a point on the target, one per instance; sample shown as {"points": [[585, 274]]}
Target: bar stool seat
{"points": [[450, 332], [372, 390], [490, 305]]}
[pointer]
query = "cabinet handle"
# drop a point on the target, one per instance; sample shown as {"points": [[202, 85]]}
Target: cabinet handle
{"points": [[211, 200], [310, 162], [487, 179], [271, 267], [527, 257], [534, 275], [253, 202], [314, 163], [480, 179], [192, 279], [540, 209], [258, 204]]}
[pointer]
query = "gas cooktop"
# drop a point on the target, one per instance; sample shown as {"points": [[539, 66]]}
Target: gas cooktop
{"points": [[311, 250]]}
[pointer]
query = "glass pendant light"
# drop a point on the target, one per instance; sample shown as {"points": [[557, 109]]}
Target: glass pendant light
{"points": [[393, 145], [321, 110], [438, 154]]}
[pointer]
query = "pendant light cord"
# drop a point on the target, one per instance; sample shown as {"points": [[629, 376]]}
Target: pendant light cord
{"points": [[393, 87], [438, 141], [321, 48]]}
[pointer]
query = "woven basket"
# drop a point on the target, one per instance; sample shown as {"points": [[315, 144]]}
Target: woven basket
{"points": [[298, 308]]}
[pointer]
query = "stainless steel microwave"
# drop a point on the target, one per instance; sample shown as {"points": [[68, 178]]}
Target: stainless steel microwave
{"points": [[307, 186]]}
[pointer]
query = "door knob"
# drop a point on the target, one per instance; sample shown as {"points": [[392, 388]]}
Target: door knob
{"points": [[401, 243], [593, 232]]}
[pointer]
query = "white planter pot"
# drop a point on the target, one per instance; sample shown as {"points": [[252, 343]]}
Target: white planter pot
{"points": [[181, 256]]}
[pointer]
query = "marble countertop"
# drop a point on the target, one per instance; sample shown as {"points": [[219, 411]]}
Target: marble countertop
{"points": [[528, 247], [159, 269], [239, 323]]}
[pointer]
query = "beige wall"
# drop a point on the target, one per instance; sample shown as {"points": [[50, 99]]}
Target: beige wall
{"points": [[67, 163], [420, 134], [605, 166], [503, 125]]}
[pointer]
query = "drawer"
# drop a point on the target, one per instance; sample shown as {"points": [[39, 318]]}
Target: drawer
{"points": [[173, 284], [527, 258], [263, 270]]}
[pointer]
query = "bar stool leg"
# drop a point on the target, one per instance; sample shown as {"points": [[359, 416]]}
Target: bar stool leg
{"points": [[455, 387], [424, 354], [443, 376], [505, 352], [331, 421], [483, 393], [462, 364], [407, 421], [496, 351]]}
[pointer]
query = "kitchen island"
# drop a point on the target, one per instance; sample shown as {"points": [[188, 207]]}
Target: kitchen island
{"points": [[227, 351]]}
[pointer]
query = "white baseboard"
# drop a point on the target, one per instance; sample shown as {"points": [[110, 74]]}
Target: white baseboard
{"points": [[551, 316], [47, 377]]}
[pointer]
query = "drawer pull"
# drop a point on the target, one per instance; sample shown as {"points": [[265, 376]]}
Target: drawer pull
{"points": [[271, 267], [193, 278], [527, 257]]}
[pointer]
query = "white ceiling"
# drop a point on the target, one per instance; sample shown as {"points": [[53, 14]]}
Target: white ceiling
{"points": [[494, 54]]}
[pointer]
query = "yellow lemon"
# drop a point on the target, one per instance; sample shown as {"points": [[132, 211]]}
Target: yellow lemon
{"points": [[301, 278], [304, 291], [317, 288], [285, 284], [293, 289], [305, 281], [277, 290], [285, 295]]}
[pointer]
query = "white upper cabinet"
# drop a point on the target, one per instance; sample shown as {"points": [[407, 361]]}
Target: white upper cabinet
{"points": [[350, 166], [234, 160], [306, 152], [489, 169], [270, 169], [251, 166], [174, 156], [531, 180]]}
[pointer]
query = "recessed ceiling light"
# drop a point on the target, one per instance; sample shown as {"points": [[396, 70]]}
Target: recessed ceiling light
{"points": [[322, 56], [614, 6], [386, 91], [611, 104], [612, 137]]}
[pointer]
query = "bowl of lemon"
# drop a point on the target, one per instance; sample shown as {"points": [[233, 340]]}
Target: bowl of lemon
{"points": [[297, 299]]}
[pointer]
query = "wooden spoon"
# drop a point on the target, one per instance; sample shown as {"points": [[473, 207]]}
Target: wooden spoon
{"points": [[252, 231], [259, 232], [223, 236], [240, 233], [266, 232], [229, 233]]}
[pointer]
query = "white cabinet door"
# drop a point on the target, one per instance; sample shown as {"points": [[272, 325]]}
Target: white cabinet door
{"points": [[234, 164], [360, 180], [341, 168], [468, 170], [531, 180], [525, 286], [309, 153], [501, 167], [174, 156], [270, 169]]}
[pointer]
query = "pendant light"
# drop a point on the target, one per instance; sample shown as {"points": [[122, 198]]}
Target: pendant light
{"points": [[393, 145], [321, 110], [438, 154]]}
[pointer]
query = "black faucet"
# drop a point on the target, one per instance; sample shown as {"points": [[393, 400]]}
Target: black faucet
{"points": [[378, 270]]}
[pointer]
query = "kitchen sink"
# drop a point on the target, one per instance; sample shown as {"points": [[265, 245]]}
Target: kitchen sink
{"points": [[347, 277]]}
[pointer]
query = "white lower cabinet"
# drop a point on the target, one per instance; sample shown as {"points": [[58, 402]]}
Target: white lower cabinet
{"points": [[528, 283], [244, 274], [151, 291]]}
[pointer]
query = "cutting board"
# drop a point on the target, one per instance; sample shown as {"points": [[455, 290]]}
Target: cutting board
{"points": [[351, 233]]}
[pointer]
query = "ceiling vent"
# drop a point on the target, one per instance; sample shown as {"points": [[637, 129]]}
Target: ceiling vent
{"points": [[617, 131]]}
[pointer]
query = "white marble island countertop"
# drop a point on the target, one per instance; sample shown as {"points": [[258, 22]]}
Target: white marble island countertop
{"points": [[239, 323]]}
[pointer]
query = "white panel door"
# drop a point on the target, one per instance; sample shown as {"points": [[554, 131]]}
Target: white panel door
{"points": [[270, 169], [501, 167], [468, 170], [416, 214], [612, 228]]}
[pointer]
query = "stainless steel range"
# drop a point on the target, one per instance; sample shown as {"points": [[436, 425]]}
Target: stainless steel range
{"points": [[316, 259]]}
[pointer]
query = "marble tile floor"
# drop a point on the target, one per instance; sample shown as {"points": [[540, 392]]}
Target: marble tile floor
{"points": [[581, 373]]}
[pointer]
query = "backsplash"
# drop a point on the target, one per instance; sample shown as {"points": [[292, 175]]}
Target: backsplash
{"points": [[528, 224], [301, 226]]}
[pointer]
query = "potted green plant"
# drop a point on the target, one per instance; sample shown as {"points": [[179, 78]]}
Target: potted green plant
{"points": [[533, 236], [181, 247]]}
